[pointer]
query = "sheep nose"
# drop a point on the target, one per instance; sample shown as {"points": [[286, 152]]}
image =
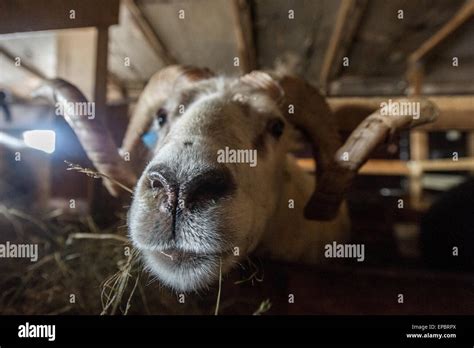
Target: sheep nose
{"points": [[191, 191], [208, 186]]}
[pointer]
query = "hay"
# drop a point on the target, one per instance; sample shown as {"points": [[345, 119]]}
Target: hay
{"points": [[264, 307], [114, 288], [88, 269], [84, 268], [218, 301], [96, 175], [67, 278]]}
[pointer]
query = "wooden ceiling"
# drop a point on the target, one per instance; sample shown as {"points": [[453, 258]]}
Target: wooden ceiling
{"points": [[306, 37], [374, 38]]}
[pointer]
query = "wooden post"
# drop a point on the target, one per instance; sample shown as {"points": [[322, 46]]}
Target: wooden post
{"points": [[100, 99], [243, 35], [100, 84], [419, 146]]}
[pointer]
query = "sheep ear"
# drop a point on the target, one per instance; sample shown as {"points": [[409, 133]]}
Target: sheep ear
{"points": [[161, 86]]}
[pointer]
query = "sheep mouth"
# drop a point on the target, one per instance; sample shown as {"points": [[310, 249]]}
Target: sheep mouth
{"points": [[179, 256]]}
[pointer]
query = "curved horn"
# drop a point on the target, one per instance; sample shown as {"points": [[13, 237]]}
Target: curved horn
{"points": [[337, 163], [91, 132], [156, 92], [304, 106]]}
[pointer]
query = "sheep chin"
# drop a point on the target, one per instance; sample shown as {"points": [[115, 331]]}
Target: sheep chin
{"points": [[189, 274]]}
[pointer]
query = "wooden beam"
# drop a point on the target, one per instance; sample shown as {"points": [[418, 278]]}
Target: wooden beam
{"points": [[347, 21], [401, 168], [358, 86], [101, 72], [419, 142], [243, 29], [456, 112], [372, 167], [419, 151], [76, 58], [11, 57], [34, 15], [155, 43], [465, 13]]}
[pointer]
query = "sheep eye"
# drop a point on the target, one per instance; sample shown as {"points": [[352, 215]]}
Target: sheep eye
{"points": [[161, 117], [276, 127]]}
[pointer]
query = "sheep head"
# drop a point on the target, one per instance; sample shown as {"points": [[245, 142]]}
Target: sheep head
{"points": [[195, 208], [214, 179]]}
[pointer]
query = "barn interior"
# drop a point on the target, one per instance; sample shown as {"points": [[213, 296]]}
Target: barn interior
{"points": [[359, 53]]}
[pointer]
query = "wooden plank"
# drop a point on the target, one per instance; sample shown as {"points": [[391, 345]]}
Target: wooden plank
{"points": [[18, 81], [243, 30], [195, 32], [101, 72], [131, 57], [347, 21], [76, 58], [456, 112], [10, 56], [148, 33], [458, 20], [447, 164], [401, 168], [390, 38], [444, 80], [36, 50], [298, 45], [372, 167], [34, 15]]}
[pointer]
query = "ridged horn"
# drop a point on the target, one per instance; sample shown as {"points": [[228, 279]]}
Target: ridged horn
{"points": [[94, 137], [304, 107], [337, 163]]}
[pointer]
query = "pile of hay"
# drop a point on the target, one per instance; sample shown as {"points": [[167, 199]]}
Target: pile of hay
{"points": [[85, 269]]}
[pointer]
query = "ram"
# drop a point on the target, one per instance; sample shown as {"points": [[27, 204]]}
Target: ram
{"points": [[193, 215]]}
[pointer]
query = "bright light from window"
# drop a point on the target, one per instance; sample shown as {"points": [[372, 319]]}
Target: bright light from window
{"points": [[44, 140]]}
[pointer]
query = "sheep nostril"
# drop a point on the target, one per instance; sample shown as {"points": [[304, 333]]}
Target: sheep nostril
{"points": [[156, 184], [156, 180], [209, 186]]}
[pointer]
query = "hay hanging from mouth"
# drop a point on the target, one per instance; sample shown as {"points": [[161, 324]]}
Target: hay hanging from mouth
{"points": [[114, 288], [216, 312]]}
